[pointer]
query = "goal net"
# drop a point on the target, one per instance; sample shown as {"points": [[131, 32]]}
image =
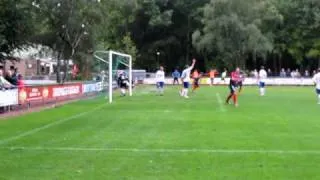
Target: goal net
{"points": [[110, 63]]}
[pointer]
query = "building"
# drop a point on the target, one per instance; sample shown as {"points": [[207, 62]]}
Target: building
{"points": [[30, 67]]}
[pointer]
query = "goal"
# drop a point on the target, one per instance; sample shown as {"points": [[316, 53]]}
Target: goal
{"points": [[111, 62]]}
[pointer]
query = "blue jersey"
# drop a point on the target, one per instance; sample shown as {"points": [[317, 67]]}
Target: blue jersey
{"points": [[176, 74]]}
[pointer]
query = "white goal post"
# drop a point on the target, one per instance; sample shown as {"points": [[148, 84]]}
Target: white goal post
{"points": [[107, 57]]}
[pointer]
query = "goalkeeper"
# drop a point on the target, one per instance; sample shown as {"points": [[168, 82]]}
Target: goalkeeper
{"points": [[123, 83]]}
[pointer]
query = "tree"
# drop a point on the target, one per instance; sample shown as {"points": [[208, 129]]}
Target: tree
{"points": [[65, 25], [234, 29], [300, 30], [15, 27]]}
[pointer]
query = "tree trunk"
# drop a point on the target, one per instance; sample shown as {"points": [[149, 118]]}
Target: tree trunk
{"points": [[86, 68], [254, 59], [66, 65], [58, 68], [65, 72], [4, 66], [275, 69], [280, 61]]}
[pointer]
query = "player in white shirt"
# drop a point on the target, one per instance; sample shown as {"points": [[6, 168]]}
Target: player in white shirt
{"points": [[224, 75], [262, 80], [160, 76], [185, 77], [316, 80]]}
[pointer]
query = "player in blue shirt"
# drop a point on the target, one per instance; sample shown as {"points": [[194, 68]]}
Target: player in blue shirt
{"points": [[176, 75]]}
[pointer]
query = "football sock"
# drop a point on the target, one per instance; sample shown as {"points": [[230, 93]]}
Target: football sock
{"points": [[123, 91], [229, 97], [262, 91], [235, 99], [185, 92]]}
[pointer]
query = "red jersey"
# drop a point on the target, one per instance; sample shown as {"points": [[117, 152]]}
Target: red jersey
{"points": [[235, 76]]}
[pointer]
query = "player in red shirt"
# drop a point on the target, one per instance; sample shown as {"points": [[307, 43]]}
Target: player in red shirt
{"points": [[234, 84], [196, 78]]}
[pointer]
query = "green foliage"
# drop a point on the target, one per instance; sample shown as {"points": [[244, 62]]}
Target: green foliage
{"points": [[15, 26], [235, 29], [129, 47], [219, 32]]}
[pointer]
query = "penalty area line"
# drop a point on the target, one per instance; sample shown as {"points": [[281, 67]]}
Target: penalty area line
{"points": [[35, 130], [137, 150]]}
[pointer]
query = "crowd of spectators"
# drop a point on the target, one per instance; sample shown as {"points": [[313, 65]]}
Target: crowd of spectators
{"points": [[286, 73], [254, 73]]}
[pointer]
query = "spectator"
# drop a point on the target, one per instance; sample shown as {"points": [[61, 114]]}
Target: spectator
{"points": [[306, 73], [314, 72], [269, 72], [297, 74], [4, 84], [20, 82], [289, 74], [9, 77], [255, 73], [282, 73], [15, 76], [176, 75]]}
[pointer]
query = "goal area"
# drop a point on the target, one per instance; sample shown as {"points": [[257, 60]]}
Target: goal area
{"points": [[110, 64]]}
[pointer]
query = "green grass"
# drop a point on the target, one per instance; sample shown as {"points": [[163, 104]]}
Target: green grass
{"points": [[153, 137]]}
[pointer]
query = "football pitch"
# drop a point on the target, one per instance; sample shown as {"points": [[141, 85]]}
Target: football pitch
{"points": [[168, 137]]}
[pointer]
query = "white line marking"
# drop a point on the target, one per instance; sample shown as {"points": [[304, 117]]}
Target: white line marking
{"points": [[35, 130], [222, 108], [137, 150]]}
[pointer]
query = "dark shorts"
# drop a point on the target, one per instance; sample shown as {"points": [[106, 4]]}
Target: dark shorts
{"points": [[196, 82], [123, 86], [160, 84], [186, 85], [318, 91], [262, 84], [175, 79], [233, 88]]}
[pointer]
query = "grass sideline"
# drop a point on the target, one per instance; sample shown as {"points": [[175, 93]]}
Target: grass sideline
{"points": [[152, 137]]}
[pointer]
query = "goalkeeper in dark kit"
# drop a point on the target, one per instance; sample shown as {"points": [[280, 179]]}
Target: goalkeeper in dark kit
{"points": [[123, 82]]}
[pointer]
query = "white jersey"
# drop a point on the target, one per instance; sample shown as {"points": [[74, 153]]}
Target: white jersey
{"points": [[224, 74], [160, 76], [262, 75], [186, 74], [316, 80]]}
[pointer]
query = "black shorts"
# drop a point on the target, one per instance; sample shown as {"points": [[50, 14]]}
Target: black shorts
{"points": [[196, 82], [233, 88], [123, 85]]}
